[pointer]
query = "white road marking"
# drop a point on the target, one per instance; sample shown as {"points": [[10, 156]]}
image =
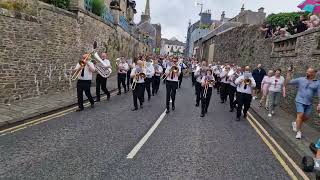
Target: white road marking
{"points": [[135, 150]]}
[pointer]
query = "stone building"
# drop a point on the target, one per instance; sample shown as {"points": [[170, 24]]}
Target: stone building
{"points": [[172, 47], [152, 31], [200, 29], [250, 17]]}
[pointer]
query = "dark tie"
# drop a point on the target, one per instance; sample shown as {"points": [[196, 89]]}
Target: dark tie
{"points": [[82, 72]]}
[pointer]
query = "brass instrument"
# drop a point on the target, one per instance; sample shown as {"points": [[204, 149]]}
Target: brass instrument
{"points": [[247, 81], [174, 69], [100, 66], [138, 75], [82, 63], [209, 80]]}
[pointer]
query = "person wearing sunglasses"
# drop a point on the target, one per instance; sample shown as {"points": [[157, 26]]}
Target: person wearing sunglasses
{"points": [[308, 87]]}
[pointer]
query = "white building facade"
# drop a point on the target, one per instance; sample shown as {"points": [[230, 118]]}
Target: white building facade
{"points": [[172, 47]]}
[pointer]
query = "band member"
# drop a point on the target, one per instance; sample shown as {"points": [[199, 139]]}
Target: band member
{"points": [[138, 84], [131, 65], [216, 72], [101, 82], [156, 78], [194, 65], [224, 84], [207, 85], [150, 74], [200, 72], [233, 88], [245, 87], [122, 67], [182, 67], [165, 63], [84, 83], [172, 72]]}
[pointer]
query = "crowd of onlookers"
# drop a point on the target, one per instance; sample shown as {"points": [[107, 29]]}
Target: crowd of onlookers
{"points": [[305, 23]]}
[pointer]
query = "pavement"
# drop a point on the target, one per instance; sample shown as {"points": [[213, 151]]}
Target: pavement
{"points": [[281, 124], [94, 144], [33, 107]]}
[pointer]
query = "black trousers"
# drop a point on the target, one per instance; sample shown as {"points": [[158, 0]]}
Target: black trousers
{"points": [[180, 79], [164, 71], [224, 92], [244, 100], [101, 83], [138, 93], [122, 81], [148, 86], [192, 78], [155, 84], [231, 93], [84, 86], [171, 87], [205, 101], [128, 79], [198, 89]]}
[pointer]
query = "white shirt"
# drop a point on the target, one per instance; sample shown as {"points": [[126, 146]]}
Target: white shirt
{"points": [[150, 70], [87, 72], [230, 80], [159, 68], [276, 84], [204, 78], [223, 76], [241, 86], [175, 76], [123, 68], [134, 71], [199, 74]]}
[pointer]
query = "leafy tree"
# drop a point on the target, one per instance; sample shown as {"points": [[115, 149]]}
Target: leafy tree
{"points": [[98, 7], [64, 4], [283, 19]]}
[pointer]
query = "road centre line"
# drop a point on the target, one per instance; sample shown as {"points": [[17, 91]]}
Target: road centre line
{"points": [[44, 119], [135, 150], [282, 151], [274, 152]]}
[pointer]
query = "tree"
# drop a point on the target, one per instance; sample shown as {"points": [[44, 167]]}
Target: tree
{"points": [[283, 19]]}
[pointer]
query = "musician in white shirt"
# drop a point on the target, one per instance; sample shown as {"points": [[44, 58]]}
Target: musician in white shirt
{"points": [[182, 67], [138, 89], [245, 84], [84, 83], [150, 74], [194, 65], [233, 87], [130, 65], [207, 83], [224, 84], [122, 68], [156, 78], [172, 83], [101, 82], [200, 72]]}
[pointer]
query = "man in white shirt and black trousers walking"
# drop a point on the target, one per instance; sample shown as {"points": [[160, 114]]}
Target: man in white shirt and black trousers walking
{"points": [[149, 79], [138, 90], [224, 89], [172, 82], [84, 83], [123, 67], [245, 84], [200, 72], [101, 82]]}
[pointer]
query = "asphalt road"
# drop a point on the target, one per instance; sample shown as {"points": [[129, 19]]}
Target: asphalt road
{"points": [[93, 144]]}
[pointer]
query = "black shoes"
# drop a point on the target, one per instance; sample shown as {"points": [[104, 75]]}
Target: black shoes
{"points": [[119, 93], [231, 110], [245, 116], [134, 109], [197, 105], [79, 109], [108, 98], [202, 115], [238, 119], [141, 106], [222, 102], [168, 111], [173, 108], [92, 106]]}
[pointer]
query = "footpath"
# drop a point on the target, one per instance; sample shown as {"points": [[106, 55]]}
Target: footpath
{"points": [[33, 107], [281, 124]]}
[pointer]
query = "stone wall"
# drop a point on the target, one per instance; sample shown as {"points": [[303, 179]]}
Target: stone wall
{"points": [[38, 52], [245, 45]]}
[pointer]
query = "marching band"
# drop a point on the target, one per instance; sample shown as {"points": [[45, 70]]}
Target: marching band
{"points": [[146, 72]]}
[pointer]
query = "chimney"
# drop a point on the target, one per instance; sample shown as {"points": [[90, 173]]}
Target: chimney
{"points": [[205, 17], [242, 8], [261, 10], [223, 15]]}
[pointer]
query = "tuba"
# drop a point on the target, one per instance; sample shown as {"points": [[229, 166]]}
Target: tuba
{"points": [[101, 66]]}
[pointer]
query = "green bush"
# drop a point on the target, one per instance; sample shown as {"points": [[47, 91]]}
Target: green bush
{"points": [[98, 7], [283, 19], [64, 4]]}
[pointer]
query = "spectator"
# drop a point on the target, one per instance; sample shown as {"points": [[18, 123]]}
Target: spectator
{"points": [[283, 32], [267, 29], [258, 75], [301, 26], [265, 84], [275, 89], [313, 22], [308, 87]]}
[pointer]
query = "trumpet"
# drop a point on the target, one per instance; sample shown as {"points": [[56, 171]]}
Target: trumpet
{"points": [[247, 81]]}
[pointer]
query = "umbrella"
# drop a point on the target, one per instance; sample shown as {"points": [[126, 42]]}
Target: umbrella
{"points": [[312, 6]]}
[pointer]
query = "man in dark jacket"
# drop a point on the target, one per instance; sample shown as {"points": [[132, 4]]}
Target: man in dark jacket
{"points": [[258, 75]]}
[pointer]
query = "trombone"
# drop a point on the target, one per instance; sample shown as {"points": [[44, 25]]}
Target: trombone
{"points": [[206, 87], [83, 62], [135, 79], [174, 69]]}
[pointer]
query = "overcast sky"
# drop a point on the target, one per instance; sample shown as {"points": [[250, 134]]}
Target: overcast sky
{"points": [[174, 15]]}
